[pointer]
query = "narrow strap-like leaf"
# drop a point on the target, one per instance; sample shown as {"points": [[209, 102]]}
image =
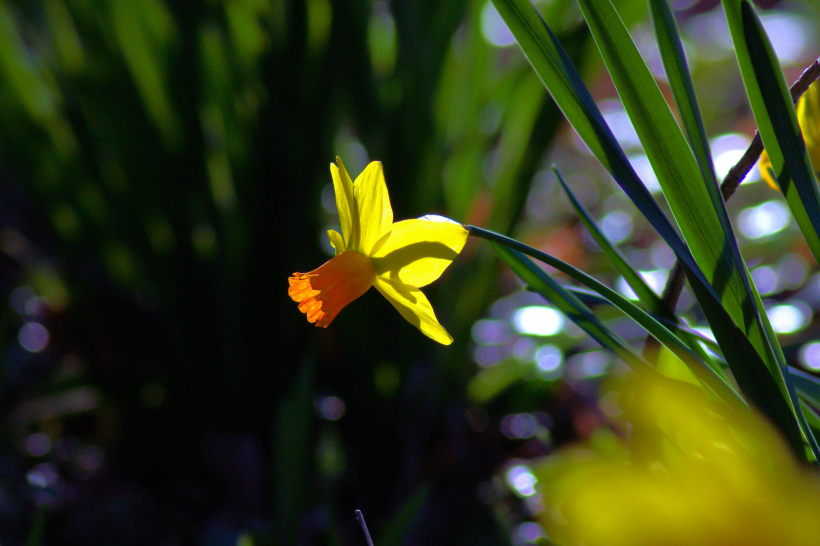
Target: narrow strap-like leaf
{"points": [[812, 417], [562, 80], [695, 201], [776, 118], [644, 292], [773, 109], [807, 384], [699, 368], [568, 304], [808, 391], [591, 298], [677, 73]]}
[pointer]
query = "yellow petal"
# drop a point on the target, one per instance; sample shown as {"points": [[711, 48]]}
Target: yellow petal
{"points": [[336, 241], [414, 307], [345, 203], [808, 115], [373, 203], [765, 166], [418, 251]]}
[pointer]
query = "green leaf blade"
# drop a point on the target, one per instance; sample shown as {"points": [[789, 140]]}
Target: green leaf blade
{"points": [[776, 118], [707, 229], [677, 73], [645, 294], [750, 357], [568, 304], [710, 377]]}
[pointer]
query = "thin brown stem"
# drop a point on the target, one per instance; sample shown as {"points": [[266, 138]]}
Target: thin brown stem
{"points": [[674, 284]]}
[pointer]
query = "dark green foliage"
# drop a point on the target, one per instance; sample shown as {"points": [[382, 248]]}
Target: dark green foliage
{"points": [[163, 167]]}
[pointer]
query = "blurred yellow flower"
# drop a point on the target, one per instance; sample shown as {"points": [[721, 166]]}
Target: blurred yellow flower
{"points": [[687, 472], [808, 116], [397, 258]]}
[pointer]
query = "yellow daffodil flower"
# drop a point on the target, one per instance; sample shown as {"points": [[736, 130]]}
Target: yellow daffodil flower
{"points": [[808, 116], [397, 259], [687, 471]]}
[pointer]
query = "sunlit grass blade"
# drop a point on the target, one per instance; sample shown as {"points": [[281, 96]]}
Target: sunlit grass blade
{"points": [[645, 294], [556, 71], [710, 377], [756, 381], [776, 118], [786, 378], [774, 112], [591, 298], [706, 228], [552, 65], [642, 290], [806, 384], [808, 390], [568, 304], [812, 416], [677, 73], [562, 80]]}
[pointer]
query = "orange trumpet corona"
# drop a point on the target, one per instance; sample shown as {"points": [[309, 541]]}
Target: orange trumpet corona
{"points": [[325, 291]]}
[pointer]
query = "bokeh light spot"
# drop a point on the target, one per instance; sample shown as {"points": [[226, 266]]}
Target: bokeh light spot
{"points": [[529, 532], [589, 364], [89, 458], [519, 426], [763, 220], [621, 125], [788, 34], [524, 349], [487, 356], [655, 278], [38, 444], [490, 332], [617, 226], [494, 29], [809, 356], [548, 360], [643, 168], [331, 408], [789, 317], [727, 149], [329, 199], [20, 297], [521, 480], [765, 279], [792, 270], [33, 337], [43, 475], [538, 320], [661, 255]]}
